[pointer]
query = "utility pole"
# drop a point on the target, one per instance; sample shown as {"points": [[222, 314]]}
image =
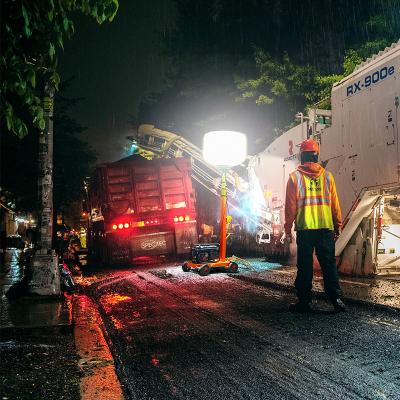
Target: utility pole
{"points": [[44, 277]]}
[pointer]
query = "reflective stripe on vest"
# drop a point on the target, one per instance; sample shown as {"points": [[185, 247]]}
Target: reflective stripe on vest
{"points": [[313, 202]]}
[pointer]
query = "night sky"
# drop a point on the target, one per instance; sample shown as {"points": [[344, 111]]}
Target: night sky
{"points": [[114, 66], [185, 54]]}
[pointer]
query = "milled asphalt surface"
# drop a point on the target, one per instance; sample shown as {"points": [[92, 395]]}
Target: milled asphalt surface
{"points": [[177, 335]]}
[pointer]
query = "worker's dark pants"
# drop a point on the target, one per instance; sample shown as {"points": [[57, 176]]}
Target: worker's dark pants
{"points": [[322, 240]]}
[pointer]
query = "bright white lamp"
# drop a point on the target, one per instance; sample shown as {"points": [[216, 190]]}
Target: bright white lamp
{"points": [[224, 148]]}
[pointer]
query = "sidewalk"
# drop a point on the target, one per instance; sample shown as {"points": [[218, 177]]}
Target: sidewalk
{"points": [[51, 348], [379, 290]]}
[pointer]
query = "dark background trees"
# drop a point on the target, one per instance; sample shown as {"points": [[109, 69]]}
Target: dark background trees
{"points": [[32, 34], [73, 160], [273, 56]]}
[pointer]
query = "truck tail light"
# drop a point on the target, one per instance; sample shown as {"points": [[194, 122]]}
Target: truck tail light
{"points": [[151, 222], [121, 225], [126, 225], [181, 218]]}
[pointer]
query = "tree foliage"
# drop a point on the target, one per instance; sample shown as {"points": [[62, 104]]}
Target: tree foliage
{"points": [[31, 33], [282, 83], [279, 83], [73, 159], [215, 40]]}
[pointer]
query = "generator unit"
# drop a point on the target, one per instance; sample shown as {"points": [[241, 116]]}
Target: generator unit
{"points": [[203, 253]]}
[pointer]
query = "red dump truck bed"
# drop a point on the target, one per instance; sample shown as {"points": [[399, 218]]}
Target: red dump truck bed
{"points": [[141, 207]]}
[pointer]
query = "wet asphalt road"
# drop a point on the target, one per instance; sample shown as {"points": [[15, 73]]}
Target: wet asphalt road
{"points": [[177, 335]]}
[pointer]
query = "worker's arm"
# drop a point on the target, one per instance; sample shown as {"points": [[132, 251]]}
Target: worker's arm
{"points": [[336, 212], [290, 205]]}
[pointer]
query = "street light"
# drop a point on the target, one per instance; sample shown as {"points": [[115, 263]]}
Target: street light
{"points": [[223, 149]]}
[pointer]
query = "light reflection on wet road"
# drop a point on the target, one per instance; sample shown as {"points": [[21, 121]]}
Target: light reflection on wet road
{"points": [[182, 336]]}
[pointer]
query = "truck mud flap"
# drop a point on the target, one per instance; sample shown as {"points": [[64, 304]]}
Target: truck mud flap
{"points": [[185, 237], [153, 244]]}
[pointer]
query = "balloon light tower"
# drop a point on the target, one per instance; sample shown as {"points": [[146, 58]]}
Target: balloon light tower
{"points": [[223, 149]]}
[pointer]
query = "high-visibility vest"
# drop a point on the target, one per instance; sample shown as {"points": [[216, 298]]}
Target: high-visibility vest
{"points": [[313, 202]]}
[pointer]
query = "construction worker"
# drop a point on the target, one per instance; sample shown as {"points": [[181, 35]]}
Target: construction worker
{"points": [[313, 205]]}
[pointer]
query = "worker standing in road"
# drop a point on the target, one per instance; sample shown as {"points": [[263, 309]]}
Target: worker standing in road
{"points": [[312, 203]]}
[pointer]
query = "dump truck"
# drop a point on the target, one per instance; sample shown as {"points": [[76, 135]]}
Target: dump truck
{"points": [[359, 144], [141, 208]]}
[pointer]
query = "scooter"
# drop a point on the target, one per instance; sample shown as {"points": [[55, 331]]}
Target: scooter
{"points": [[66, 280]]}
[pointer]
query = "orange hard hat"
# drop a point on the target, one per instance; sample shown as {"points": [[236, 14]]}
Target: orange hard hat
{"points": [[309, 145]]}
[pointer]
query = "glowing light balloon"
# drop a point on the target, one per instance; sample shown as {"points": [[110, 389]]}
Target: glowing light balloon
{"points": [[224, 148]]}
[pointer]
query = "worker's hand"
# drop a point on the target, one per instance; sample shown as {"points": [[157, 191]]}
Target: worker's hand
{"points": [[286, 237], [337, 232]]}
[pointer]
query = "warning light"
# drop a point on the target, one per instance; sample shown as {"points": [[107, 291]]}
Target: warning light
{"points": [[126, 225], [115, 226], [156, 222], [187, 218], [120, 226], [180, 219], [84, 214], [176, 219]]}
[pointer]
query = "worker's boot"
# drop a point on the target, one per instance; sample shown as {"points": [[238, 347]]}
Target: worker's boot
{"points": [[338, 305], [300, 308]]}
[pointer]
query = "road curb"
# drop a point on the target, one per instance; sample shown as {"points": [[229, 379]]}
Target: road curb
{"points": [[319, 294], [99, 379]]}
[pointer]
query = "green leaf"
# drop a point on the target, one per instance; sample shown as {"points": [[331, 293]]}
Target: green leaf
{"points": [[263, 99], [21, 129], [60, 41], [27, 31], [52, 51], [9, 121], [55, 80], [42, 124], [114, 13], [32, 77], [20, 88], [66, 24]]}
